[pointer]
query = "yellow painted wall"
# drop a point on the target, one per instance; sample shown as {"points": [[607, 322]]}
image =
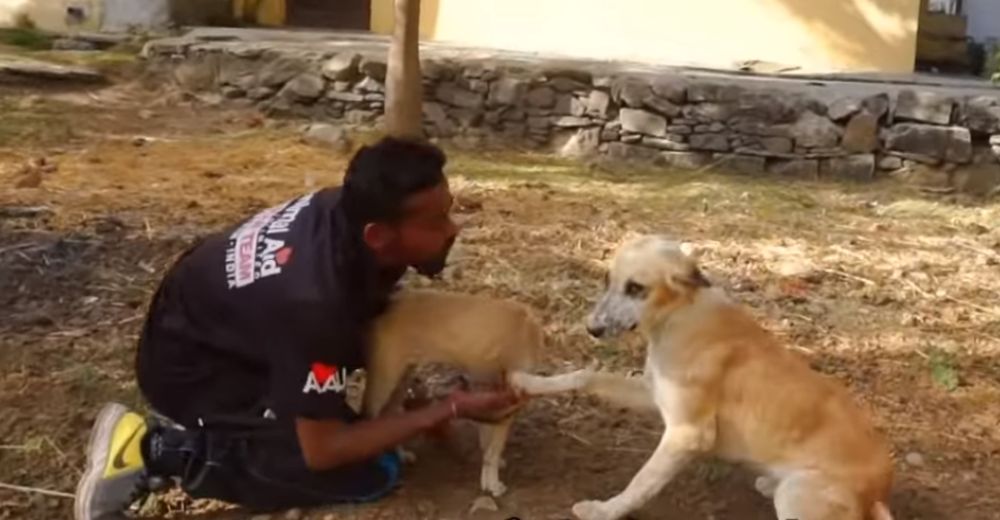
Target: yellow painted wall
{"points": [[269, 13], [816, 35]]}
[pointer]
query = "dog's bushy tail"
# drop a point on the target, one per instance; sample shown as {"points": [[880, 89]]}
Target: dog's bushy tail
{"points": [[880, 511]]}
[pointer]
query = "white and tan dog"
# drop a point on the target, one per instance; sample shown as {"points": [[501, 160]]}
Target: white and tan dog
{"points": [[486, 338], [724, 386]]}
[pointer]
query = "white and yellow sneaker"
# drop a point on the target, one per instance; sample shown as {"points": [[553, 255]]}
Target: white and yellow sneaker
{"points": [[115, 476]]}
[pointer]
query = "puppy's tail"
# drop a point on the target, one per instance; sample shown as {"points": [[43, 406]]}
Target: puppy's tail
{"points": [[880, 511]]}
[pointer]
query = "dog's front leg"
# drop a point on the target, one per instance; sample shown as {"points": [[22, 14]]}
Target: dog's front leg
{"points": [[679, 444]]}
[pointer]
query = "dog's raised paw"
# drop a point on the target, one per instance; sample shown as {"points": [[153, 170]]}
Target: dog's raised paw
{"points": [[591, 510], [494, 487]]}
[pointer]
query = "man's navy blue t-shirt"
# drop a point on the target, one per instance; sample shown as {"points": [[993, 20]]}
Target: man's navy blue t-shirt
{"points": [[289, 292]]}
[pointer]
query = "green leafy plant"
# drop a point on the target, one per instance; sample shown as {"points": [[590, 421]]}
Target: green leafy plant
{"points": [[27, 38], [943, 369]]}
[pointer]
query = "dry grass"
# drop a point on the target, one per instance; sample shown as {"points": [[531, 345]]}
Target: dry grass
{"points": [[893, 292]]}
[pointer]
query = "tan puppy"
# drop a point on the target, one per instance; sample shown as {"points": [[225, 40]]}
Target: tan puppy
{"points": [[485, 337], [725, 386]]}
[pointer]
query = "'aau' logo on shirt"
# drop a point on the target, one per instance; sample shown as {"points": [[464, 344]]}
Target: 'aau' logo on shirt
{"points": [[324, 378]]}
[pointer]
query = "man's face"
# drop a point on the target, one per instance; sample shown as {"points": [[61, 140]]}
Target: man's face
{"points": [[423, 237]]}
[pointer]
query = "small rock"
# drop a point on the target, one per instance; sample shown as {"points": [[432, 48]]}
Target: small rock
{"points": [[853, 167], [374, 67], [890, 163], [710, 142], [327, 135], [843, 108], [369, 85], [346, 97], [662, 106], [981, 114], [630, 92], [673, 143], [541, 97], [629, 152], [304, 87], [977, 179], [259, 93], [359, 117], [861, 134], [643, 122], [571, 122], [513, 114], [568, 104], [483, 503], [146, 114], [708, 112], [815, 131], [230, 92], [924, 107], [914, 459], [71, 44], [598, 103], [777, 144], [952, 144], [277, 72], [506, 91], [583, 144], [714, 93], [293, 514], [539, 122], [877, 105], [454, 95], [342, 67], [671, 89], [562, 84], [679, 129], [260, 517]]}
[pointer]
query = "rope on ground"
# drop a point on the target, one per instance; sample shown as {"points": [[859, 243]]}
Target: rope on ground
{"points": [[40, 491]]}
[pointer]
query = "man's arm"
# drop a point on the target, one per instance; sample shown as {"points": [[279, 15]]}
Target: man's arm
{"points": [[330, 443]]}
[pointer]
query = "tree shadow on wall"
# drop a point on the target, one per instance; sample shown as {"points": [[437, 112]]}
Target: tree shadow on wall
{"points": [[854, 30]]}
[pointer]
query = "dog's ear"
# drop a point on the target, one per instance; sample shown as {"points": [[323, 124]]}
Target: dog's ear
{"points": [[692, 279], [691, 250]]}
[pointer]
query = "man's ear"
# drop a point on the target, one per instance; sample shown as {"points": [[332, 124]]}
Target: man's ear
{"points": [[377, 236]]}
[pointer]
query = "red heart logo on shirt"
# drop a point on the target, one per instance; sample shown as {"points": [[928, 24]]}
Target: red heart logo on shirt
{"points": [[283, 255], [323, 372]]}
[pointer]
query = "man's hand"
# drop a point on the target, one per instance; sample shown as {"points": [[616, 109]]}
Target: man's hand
{"points": [[483, 406]]}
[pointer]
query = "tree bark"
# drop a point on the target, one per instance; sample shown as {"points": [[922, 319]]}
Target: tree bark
{"points": [[404, 83]]}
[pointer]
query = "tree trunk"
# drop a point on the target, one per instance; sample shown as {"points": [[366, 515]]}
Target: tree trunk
{"points": [[404, 88]]}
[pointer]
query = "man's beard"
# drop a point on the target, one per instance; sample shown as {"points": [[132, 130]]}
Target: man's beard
{"points": [[433, 267]]}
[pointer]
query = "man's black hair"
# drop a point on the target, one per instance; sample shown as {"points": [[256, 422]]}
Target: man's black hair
{"points": [[381, 176]]}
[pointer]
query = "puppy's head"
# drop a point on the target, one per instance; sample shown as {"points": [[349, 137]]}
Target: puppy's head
{"points": [[650, 277]]}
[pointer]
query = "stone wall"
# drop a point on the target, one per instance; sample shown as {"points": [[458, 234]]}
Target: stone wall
{"points": [[932, 139]]}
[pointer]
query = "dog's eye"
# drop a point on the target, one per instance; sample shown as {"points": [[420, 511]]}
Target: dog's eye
{"points": [[634, 290]]}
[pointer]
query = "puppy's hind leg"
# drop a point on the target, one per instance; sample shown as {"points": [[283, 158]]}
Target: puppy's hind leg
{"points": [[810, 496], [493, 439]]}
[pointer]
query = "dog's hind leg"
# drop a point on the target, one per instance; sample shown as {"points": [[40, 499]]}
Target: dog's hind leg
{"points": [[810, 496], [628, 392], [493, 439]]}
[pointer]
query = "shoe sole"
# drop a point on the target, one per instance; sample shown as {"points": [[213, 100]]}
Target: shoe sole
{"points": [[100, 436]]}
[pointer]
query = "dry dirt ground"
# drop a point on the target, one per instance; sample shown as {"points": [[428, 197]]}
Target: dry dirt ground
{"points": [[890, 291]]}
